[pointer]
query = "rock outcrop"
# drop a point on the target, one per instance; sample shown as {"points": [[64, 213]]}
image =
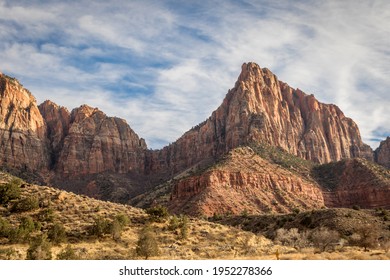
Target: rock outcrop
{"points": [[96, 143], [260, 108], [57, 119], [382, 154], [23, 142], [244, 182], [354, 182]]}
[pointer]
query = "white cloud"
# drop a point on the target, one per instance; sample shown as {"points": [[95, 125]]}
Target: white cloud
{"points": [[185, 56]]}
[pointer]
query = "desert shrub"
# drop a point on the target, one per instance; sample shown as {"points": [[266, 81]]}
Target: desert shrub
{"points": [[324, 238], [122, 219], [180, 223], [10, 191], [116, 230], [68, 253], [57, 234], [5, 227], [147, 245], [365, 236], [25, 204], [356, 207], [292, 238], [40, 249], [7, 254], [174, 222], [23, 232], [100, 227], [46, 215], [183, 227], [158, 213]]}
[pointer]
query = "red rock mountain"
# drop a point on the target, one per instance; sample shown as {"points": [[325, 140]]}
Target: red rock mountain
{"points": [[382, 154], [23, 142], [89, 152], [260, 108]]}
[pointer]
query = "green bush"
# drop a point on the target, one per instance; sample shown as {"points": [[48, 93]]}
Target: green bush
{"points": [[68, 254], [23, 232], [147, 245], [10, 191], [123, 220], [158, 213], [25, 204], [5, 228], [40, 249], [180, 223], [46, 215], [116, 230], [100, 227], [57, 234]]}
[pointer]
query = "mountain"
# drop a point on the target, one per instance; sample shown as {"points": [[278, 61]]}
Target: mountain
{"points": [[382, 154], [260, 108], [23, 130], [217, 166]]}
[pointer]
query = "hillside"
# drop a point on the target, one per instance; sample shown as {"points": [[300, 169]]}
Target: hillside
{"points": [[266, 179], [44, 223]]}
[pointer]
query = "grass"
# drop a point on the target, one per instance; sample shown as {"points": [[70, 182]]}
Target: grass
{"points": [[203, 239]]}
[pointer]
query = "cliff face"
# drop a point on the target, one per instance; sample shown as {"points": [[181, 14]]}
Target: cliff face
{"points": [[96, 143], [245, 182], [58, 122], [23, 143], [382, 154], [260, 108], [355, 182]]}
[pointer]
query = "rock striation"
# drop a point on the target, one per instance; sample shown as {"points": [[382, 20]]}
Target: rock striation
{"points": [[23, 142], [261, 109], [382, 153], [57, 120], [355, 182], [96, 143], [244, 182]]}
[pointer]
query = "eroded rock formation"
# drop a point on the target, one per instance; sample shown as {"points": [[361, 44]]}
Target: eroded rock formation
{"points": [[23, 142], [382, 154], [260, 108]]}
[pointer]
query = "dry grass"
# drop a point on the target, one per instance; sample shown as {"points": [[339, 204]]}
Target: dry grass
{"points": [[205, 240]]}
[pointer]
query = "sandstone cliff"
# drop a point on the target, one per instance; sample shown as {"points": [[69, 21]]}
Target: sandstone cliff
{"points": [[96, 143], [259, 109], [23, 142], [354, 182], [382, 154], [244, 182], [58, 121]]}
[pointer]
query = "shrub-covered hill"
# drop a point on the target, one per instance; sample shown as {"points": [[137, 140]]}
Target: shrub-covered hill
{"points": [[38, 222]]}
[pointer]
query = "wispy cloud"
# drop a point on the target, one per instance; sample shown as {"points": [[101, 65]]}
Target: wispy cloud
{"points": [[165, 65]]}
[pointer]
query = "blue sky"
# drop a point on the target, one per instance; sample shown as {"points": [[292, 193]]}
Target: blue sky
{"points": [[164, 66]]}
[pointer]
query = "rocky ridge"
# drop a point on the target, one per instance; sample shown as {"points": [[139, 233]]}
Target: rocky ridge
{"points": [[382, 154], [23, 142]]}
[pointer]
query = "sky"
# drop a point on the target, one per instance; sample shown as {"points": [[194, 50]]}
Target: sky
{"points": [[164, 66]]}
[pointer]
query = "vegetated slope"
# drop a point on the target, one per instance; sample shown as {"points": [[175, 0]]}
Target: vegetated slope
{"points": [[244, 181], [263, 178], [87, 222], [354, 182], [346, 222]]}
